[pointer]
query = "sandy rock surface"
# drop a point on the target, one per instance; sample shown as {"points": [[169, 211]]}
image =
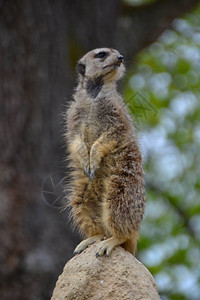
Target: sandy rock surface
{"points": [[120, 276]]}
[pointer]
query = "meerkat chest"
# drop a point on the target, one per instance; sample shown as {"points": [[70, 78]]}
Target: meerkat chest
{"points": [[90, 125], [95, 118]]}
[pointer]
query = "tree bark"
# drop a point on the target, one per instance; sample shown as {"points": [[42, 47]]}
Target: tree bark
{"points": [[40, 43], [138, 27]]}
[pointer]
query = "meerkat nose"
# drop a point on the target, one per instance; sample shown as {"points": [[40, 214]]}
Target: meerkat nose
{"points": [[120, 58]]}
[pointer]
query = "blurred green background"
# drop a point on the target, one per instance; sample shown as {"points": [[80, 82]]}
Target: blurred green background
{"points": [[163, 92]]}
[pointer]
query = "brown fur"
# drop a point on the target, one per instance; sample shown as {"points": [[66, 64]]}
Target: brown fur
{"points": [[107, 195]]}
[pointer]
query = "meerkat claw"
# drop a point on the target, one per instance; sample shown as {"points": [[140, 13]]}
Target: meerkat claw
{"points": [[93, 170], [87, 171], [92, 175]]}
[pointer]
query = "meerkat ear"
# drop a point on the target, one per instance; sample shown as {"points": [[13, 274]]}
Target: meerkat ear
{"points": [[80, 68]]}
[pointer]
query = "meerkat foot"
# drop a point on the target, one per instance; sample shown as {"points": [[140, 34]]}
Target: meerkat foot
{"points": [[108, 245], [85, 243]]}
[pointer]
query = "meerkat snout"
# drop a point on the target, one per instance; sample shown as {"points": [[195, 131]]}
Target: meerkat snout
{"points": [[120, 58]]}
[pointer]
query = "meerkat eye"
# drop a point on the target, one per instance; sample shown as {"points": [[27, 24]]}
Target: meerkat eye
{"points": [[101, 54]]}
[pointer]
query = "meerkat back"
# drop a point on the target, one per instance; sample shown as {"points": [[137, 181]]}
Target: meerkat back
{"points": [[107, 197]]}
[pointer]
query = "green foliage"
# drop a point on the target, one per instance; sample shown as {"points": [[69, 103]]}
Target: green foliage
{"points": [[163, 93]]}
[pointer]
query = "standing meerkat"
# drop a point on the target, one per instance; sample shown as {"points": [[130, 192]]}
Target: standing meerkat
{"points": [[107, 195]]}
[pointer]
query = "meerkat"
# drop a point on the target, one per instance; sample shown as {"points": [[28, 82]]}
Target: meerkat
{"points": [[107, 196]]}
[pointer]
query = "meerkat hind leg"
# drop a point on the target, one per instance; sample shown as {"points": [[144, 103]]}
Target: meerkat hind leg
{"points": [[107, 246], [85, 243]]}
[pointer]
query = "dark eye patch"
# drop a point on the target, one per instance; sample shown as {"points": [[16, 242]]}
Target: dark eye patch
{"points": [[101, 54]]}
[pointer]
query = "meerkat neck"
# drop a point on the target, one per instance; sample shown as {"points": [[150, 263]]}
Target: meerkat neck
{"points": [[108, 87], [95, 87]]}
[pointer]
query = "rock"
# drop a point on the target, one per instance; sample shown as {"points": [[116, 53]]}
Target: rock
{"points": [[120, 276]]}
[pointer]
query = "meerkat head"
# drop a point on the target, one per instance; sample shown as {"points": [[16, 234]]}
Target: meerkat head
{"points": [[103, 63]]}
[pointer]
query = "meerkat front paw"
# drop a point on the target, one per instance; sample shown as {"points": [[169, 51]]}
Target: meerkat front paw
{"points": [[93, 169], [80, 153], [89, 170], [84, 159], [86, 168]]}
